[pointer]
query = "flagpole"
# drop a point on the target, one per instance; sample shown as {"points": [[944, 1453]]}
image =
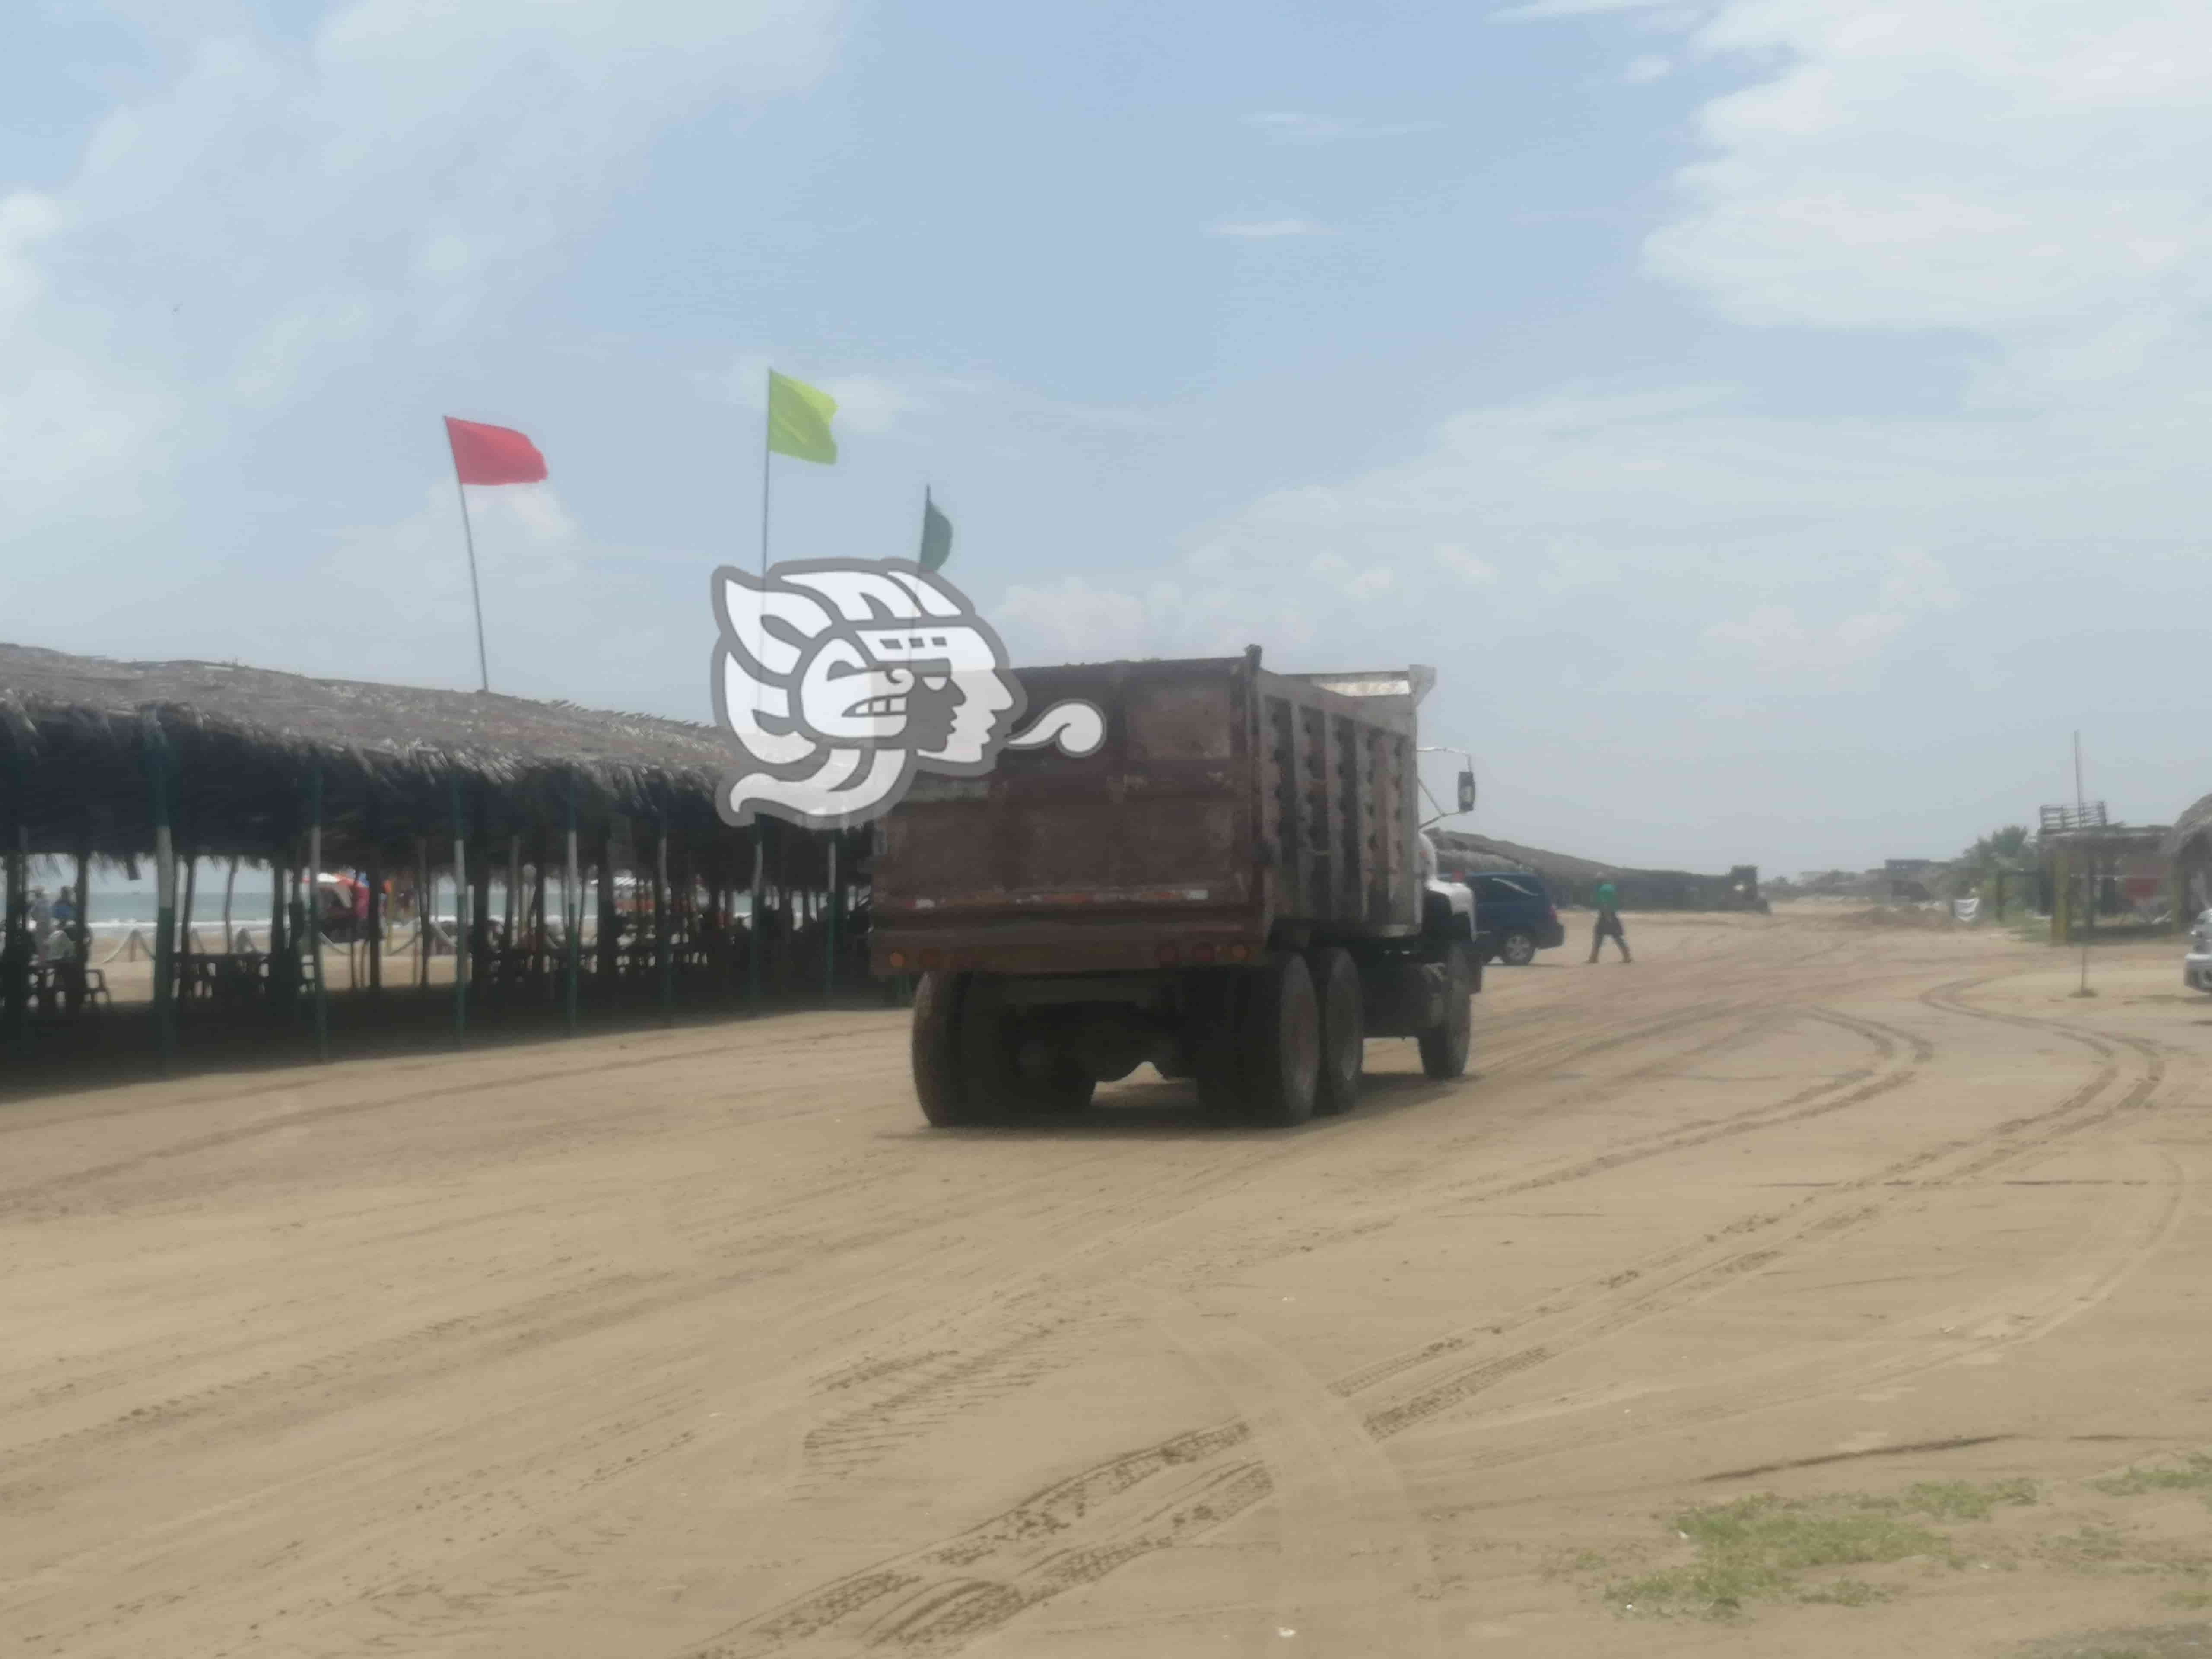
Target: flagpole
{"points": [[753, 919], [475, 593], [767, 422]]}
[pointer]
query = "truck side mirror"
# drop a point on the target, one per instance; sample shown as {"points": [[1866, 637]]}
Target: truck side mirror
{"points": [[1467, 792]]}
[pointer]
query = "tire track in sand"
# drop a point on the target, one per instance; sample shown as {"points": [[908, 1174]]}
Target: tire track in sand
{"points": [[1108, 1539], [1076, 1530]]}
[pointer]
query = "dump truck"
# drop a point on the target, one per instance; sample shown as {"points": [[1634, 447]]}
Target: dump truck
{"points": [[1234, 887]]}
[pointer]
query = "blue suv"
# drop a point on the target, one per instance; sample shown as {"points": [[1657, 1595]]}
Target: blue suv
{"points": [[1514, 916]]}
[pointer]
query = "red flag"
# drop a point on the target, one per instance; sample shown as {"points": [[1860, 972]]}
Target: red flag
{"points": [[492, 454]]}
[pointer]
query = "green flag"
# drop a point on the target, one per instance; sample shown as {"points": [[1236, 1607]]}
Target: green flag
{"points": [[798, 420], [936, 535]]}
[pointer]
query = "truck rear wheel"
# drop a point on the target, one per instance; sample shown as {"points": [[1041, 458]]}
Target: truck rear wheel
{"points": [[1005, 1071], [1277, 1047], [1343, 1030], [937, 1070], [1443, 1047]]}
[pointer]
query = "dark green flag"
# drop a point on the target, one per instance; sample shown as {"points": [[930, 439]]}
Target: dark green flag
{"points": [[936, 535]]}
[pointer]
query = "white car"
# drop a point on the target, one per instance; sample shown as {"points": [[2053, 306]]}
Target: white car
{"points": [[2196, 966]]}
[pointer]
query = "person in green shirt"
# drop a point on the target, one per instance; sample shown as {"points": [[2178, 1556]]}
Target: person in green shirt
{"points": [[1608, 903]]}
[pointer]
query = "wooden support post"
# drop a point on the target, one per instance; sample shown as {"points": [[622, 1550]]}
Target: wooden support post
{"points": [[572, 912], [422, 909], [191, 864], [461, 912], [16, 944], [512, 909], [279, 887], [304, 933], [789, 919], [754, 916], [829, 937], [480, 891], [661, 896], [314, 907], [373, 825], [229, 888], [610, 934], [534, 923], [165, 900]]}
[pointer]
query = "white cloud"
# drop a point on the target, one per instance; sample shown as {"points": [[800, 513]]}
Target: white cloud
{"points": [[1469, 567], [1642, 71], [2025, 176], [1072, 620], [273, 215], [1264, 228], [1078, 620], [869, 404], [1914, 586], [1982, 165]]}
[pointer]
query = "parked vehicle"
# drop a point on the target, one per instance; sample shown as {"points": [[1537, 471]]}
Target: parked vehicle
{"points": [[1514, 916], [1234, 888], [2196, 965]]}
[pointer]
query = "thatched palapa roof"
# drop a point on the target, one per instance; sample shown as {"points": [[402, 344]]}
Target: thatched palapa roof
{"points": [[2193, 826], [76, 734]]}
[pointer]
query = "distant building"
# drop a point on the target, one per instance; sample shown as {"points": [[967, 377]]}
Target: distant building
{"points": [[2113, 873]]}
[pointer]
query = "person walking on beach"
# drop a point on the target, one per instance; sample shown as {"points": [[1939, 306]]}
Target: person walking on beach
{"points": [[1608, 903]]}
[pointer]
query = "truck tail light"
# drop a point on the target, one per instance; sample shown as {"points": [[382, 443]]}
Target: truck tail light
{"points": [[895, 959], [1238, 952]]}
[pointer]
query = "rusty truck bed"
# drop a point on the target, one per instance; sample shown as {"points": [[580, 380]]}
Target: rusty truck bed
{"points": [[1226, 804]]}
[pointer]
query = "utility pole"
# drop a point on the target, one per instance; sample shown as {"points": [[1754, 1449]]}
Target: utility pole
{"points": [[2089, 877]]}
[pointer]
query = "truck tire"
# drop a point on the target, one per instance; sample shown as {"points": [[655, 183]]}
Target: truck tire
{"points": [[1517, 948], [936, 1072], [1280, 1044], [994, 1082], [1343, 1030], [1443, 1048]]}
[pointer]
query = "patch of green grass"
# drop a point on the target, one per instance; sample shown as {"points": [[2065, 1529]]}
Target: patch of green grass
{"points": [[1750, 1551], [2189, 1598], [1845, 1592], [1710, 1590], [2087, 1546], [2192, 1474], [1962, 1500]]}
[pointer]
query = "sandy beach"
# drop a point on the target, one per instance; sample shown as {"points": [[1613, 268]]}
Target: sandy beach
{"points": [[699, 1343]]}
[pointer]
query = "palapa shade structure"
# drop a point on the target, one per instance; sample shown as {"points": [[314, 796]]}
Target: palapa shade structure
{"points": [[98, 757], [2188, 845], [1572, 880], [76, 732], [2190, 838]]}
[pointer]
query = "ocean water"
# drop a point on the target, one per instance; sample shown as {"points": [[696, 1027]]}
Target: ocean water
{"points": [[118, 905]]}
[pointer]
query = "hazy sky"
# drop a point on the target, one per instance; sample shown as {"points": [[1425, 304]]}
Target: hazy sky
{"points": [[1781, 421]]}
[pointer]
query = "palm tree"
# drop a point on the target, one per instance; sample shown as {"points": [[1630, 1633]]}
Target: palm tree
{"points": [[2006, 852]]}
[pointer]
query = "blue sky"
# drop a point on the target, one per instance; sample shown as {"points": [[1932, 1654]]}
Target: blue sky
{"points": [[1779, 421]]}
